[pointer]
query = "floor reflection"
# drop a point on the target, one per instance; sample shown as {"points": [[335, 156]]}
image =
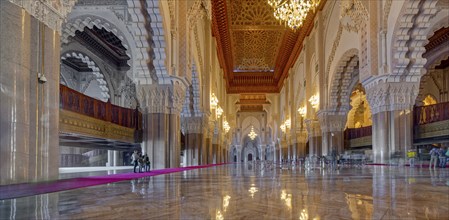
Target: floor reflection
{"points": [[251, 191]]}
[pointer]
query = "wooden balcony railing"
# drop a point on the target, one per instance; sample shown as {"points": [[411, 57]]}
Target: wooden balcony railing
{"points": [[431, 113], [74, 101], [353, 133]]}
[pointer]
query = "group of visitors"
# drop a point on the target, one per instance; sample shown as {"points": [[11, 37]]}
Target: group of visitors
{"points": [[142, 161], [438, 154]]}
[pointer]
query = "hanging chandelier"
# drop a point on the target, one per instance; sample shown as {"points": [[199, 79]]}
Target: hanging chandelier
{"points": [[226, 126], [252, 134], [219, 111], [292, 12]]}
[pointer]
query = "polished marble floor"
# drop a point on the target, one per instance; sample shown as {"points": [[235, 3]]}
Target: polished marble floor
{"points": [[245, 191]]}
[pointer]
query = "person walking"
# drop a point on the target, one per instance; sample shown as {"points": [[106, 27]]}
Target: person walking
{"points": [[135, 160], [433, 157]]}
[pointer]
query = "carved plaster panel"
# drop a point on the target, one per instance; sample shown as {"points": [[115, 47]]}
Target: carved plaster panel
{"points": [[331, 121], [313, 127], [50, 12], [408, 44], [391, 96], [167, 99]]}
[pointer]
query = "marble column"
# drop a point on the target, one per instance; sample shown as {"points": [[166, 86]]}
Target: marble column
{"points": [[332, 124], [314, 137], [29, 110], [301, 140], [392, 132], [193, 147], [161, 120], [391, 107]]}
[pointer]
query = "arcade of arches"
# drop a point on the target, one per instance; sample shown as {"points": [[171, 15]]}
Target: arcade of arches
{"points": [[86, 82]]}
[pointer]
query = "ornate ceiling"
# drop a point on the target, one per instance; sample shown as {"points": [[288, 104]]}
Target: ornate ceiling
{"points": [[254, 49]]}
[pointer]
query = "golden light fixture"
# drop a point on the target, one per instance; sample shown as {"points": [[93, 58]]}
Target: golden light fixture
{"points": [[219, 111], [293, 12], [213, 100], [315, 101], [252, 134], [288, 124], [226, 126], [283, 127], [302, 111]]}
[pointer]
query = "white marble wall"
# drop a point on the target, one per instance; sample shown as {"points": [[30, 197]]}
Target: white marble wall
{"points": [[29, 111]]}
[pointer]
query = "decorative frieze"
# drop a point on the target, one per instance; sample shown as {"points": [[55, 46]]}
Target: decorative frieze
{"points": [[71, 122], [50, 12]]}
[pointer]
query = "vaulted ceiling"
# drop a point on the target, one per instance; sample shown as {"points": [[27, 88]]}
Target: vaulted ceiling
{"points": [[254, 49]]}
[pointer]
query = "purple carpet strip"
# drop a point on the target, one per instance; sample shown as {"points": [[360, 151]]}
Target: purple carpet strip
{"points": [[31, 189]]}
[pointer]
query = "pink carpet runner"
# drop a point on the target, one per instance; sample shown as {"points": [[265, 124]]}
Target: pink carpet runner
{"points": [[31, 189]]}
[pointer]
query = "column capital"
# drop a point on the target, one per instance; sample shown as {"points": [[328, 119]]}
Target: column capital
{"points": [[331, 120], [165, 98], [313, 127], [385, 94], [192, 125], [51, 13]]}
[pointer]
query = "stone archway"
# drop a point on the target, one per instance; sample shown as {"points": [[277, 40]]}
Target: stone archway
{"points": [[97, 75], [343, 80]]}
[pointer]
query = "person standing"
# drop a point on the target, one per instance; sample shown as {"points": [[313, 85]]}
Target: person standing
{"points": [[135, 159], [147, 162], [442, 157], [411, 154], [433, 157]]}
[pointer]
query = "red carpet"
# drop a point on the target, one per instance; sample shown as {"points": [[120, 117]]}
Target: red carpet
{"points": [[31, 189]]}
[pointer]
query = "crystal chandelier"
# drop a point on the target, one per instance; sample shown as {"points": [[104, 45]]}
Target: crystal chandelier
{"points": [[314, 101], [213, 100], [283, 128], [252, 134], [302, 111], [226, 126], [219, 111], [292, 12]]}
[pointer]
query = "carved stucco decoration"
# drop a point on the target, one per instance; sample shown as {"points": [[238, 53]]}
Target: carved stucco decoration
{"points": [[192, 125], [147, 29], [97, 75], [70, 27], [383, 94], [313, 127], [408, 44], [345, 74], [50, 12], [352, 14], [166, 99], [331, 121]]}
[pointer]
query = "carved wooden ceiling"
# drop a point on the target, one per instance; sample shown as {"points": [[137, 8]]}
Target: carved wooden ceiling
{"points": [[254, 49], [252, 102]]}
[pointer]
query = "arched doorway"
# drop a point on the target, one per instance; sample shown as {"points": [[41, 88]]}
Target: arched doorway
{"points": [[250, 157]]}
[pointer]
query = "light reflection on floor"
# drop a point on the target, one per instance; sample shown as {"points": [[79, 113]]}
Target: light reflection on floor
{"points": [[242, 191]]}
